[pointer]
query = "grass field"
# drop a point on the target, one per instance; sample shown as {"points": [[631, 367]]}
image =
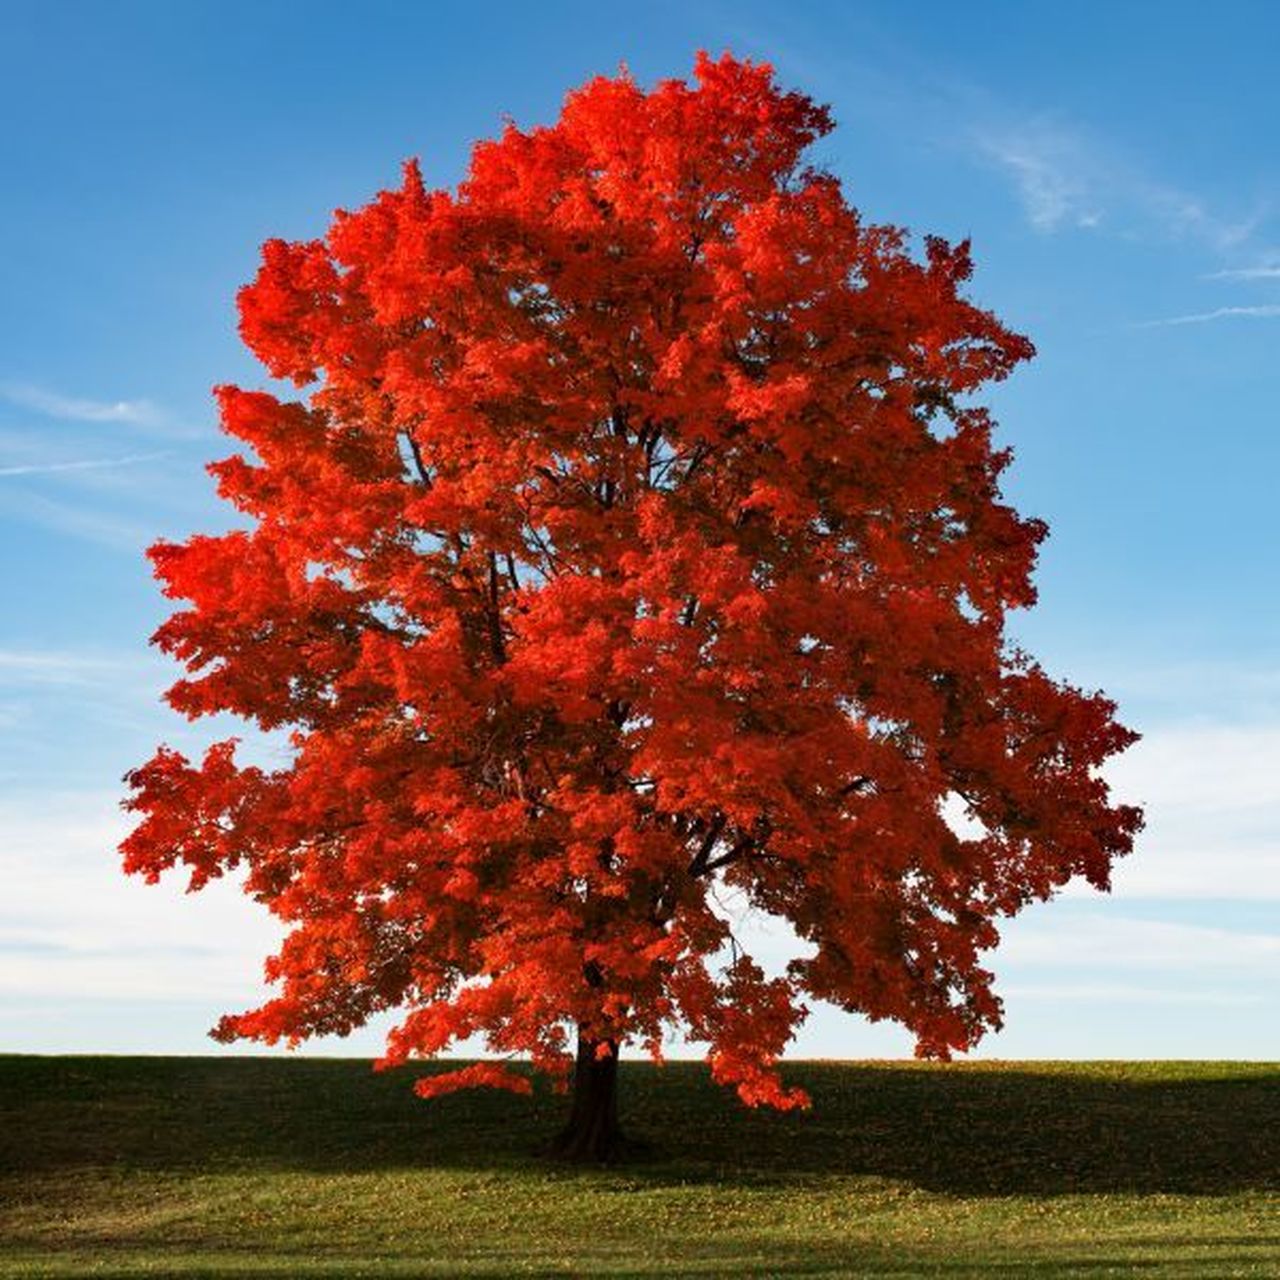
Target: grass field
{"points": [[312, 1167]]}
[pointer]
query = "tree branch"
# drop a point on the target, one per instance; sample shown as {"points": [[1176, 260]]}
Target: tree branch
{"points": [[701, 858], [494, 612]]}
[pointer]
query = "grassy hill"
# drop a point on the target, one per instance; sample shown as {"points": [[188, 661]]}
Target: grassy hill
{"points": [[312, 1167]]}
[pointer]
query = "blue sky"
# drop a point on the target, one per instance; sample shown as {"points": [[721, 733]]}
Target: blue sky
{"points": [[1115, 167]]}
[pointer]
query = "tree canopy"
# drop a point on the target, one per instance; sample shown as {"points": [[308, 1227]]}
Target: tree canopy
{"points": [[638, 538]]}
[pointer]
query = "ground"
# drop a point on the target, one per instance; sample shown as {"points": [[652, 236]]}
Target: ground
{"points": [[310, 1167]]}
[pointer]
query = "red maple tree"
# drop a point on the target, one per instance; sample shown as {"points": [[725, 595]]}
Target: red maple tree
{"points": [[638, 535]]}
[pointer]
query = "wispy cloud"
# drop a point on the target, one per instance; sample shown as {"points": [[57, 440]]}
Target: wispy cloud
{"points": [[106, 529], [1121, 945], [1263, 312], [1065, 178], [1050, 173], [138, 415], [86, 464], [1184, 215], [142, 413], [1246, 273], [1232, 692], [25, 666], [1125, 993], [1212, 797]]}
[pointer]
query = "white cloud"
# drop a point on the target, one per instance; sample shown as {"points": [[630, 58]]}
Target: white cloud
{"points": [[1212, 799], [1248, 872], [1238, 692], [92, 960], [1050, 174], [1064, 178], [1247, 273], [1073, 942], [161, 973], [87, 464], [1265, 311], [140, 416], [43, 665], [76, 934], [77, 520], [130, 675], [1204, 770], [142, 413], [1183, 215], [77, 926], [1122, 993], [73, 928]]}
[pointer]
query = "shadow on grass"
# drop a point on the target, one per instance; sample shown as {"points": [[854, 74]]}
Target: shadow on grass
{"points": [[836, 1266], [987, 1129], [811, 1259]]}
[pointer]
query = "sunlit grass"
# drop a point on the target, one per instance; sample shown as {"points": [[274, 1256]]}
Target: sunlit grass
{"points": [[309, 1167]]}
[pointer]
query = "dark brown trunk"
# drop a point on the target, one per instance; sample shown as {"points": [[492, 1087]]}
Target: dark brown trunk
{"points": [[592, 1135]]}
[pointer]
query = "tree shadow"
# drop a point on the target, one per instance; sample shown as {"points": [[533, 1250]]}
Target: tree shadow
{"points": [[1013, 1130], [811, 1260], [972, 1129]]}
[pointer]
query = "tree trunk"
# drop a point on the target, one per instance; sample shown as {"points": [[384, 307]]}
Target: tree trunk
{"points": [[592, 1135]]}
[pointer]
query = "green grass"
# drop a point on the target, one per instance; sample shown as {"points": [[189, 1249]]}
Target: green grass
{"points": [[311, 1167]]}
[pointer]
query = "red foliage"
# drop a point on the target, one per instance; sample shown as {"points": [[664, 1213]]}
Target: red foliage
{"points": [[638, 535]]}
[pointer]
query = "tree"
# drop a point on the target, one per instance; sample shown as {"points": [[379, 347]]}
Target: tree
{"points": [[639, 535]]}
